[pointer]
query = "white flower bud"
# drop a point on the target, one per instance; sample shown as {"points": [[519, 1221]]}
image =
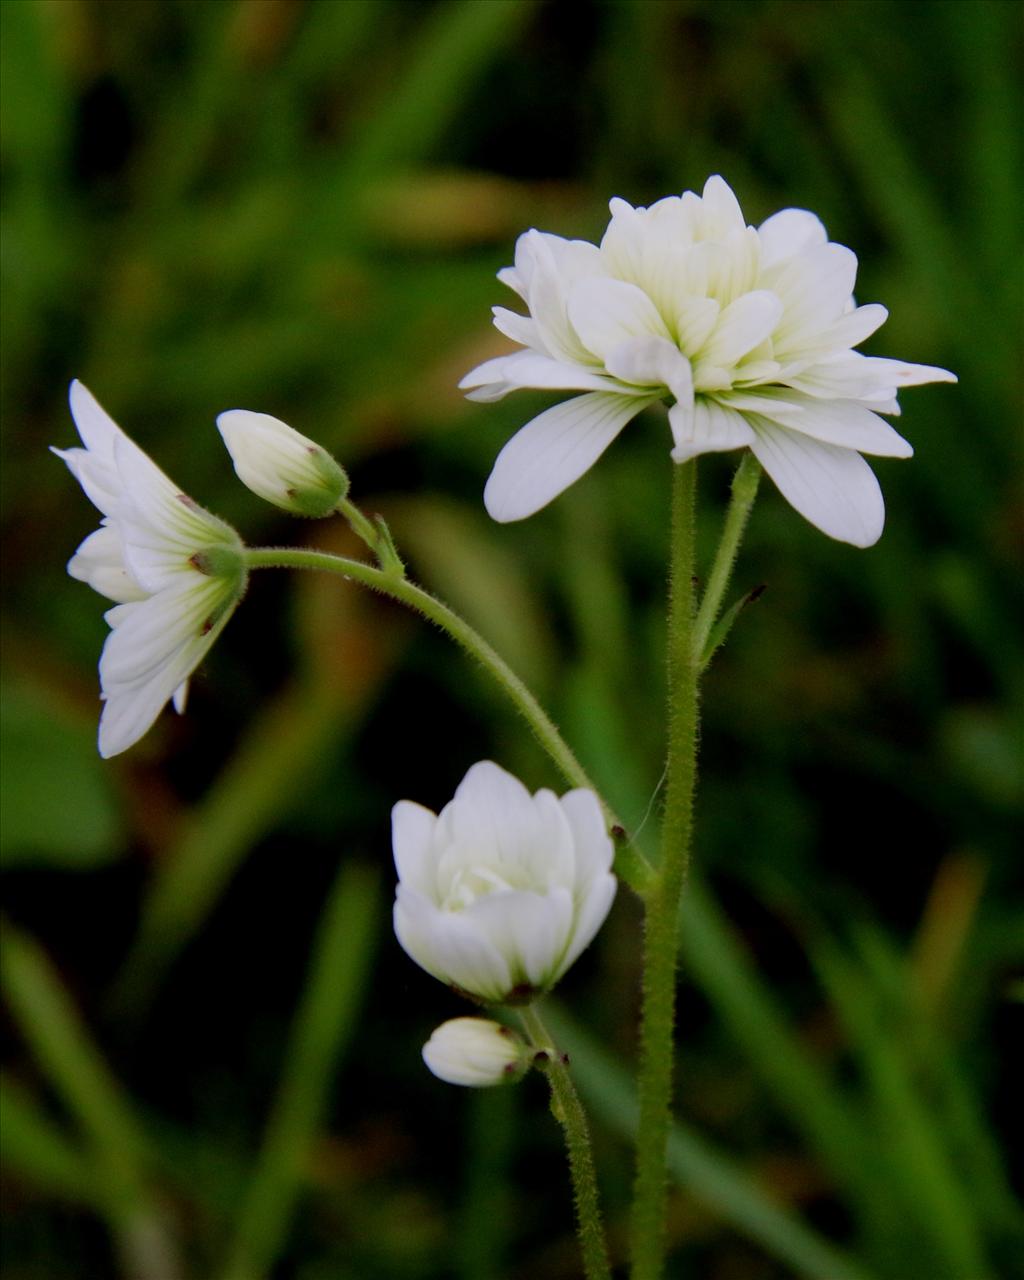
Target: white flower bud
{"points": [[282, 466], [477, 1053], [500, 893]]}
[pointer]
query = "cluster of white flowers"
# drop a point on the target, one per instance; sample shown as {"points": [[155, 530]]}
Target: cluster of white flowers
{"points": [[497, 895], [750, 332]]}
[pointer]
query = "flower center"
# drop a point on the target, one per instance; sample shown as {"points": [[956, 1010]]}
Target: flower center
{"points": [[467, 883]]}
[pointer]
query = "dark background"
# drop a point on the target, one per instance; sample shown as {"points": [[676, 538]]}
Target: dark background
{"points": [[298, 206]]}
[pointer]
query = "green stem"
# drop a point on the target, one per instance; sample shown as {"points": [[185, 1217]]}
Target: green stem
{"points": [[629, 863], [661, 927], [359, 524], [568, 1111], [744, 491]]}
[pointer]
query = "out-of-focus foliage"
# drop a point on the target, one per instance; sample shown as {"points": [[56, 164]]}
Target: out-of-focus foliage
{"points": [[298, 206]]}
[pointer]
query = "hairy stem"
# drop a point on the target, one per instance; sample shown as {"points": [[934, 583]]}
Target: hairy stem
{"points": [[661, 923], [744, 491], [568, 1111], [629, 863]]}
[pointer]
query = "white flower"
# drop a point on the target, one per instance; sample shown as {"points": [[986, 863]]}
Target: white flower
{"points": [[500, 893], [282, 466], [476, 1052], [176, 572], [749, 331]]}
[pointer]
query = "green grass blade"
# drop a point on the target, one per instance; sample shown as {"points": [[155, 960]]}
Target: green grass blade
{"points": [[486, 1212], [324, 1024], [694, 1164], [73, 1065], [935, 1205], [38, 1151], [78, 1074], [455, 44], [927, 1054], [825, 1117]]}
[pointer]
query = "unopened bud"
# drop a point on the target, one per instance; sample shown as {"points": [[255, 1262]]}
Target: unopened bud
{"points": [[282, 466], [477, 1053]]}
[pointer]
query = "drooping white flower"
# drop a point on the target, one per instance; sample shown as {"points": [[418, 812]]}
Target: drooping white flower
{"points": [[282, 466], [500, 893], [175, 571], [477, 1053], [750, 332]]}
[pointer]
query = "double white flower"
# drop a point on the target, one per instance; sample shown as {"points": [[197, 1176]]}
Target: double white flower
{"points": [[500, 893], [175, 571], [749, 331]]}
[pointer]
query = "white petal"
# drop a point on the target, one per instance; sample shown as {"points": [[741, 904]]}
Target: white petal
{"points": [[154, 646], [815, 288], [161, 527], [838, 422], [833, 488], [710, 428], [528, 369], [96, 427], [180, 697], [591, 914], [552, 858], [519, 328], [742, 326], [725, 268], [555, 266], [622, 246], [591, 842], [845, 376], [652, 362], [413, 916], [607, 313], [721, 214], [568, 260], [554, 450], [143, 485], [451, 946], [787, 233], [694, 319], [510, 277], [99, 561], [531, 931], [900, 374], [412, 828], [494, 814], [851, 329]]}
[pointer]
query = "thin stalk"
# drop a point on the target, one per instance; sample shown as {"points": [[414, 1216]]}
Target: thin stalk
{"points": [[661, 925], [630, 864], [360, 525], [568, 1111], [744, 491], [377, 536]]}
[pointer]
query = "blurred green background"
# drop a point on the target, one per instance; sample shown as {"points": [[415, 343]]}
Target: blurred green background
{"points": [[298, 206]]}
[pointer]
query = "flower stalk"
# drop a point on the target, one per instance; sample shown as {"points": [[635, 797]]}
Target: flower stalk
{"points": [[568, 1111], [630, 864], [744, 491], [661, 925]]}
